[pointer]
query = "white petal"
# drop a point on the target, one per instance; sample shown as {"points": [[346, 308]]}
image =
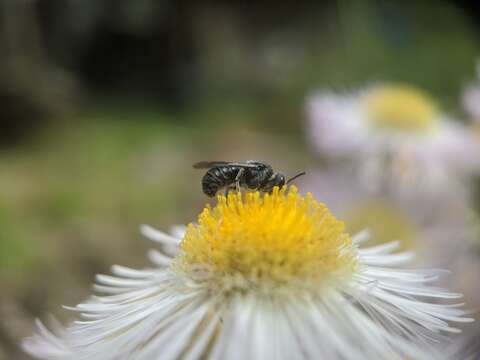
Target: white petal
{"points": [[159, 236]]}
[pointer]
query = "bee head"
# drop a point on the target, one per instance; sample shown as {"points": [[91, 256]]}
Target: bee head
{"points": [[276, 179]]}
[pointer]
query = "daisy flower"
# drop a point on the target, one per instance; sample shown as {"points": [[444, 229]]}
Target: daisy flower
{"points": [[395, 133], [271, 276]]}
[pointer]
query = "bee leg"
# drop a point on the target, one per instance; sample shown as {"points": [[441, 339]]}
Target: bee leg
{"points": [[237, 179], [229, 188]]}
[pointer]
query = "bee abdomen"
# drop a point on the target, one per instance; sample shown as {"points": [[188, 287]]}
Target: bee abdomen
{"points": [[210, 184], [216, 178]]}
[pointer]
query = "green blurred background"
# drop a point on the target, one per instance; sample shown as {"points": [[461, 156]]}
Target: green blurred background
{"points": [[105, 104]]}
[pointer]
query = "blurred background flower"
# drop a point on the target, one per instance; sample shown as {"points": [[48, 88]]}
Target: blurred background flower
{"points": [[393, 135], [104, 106], [441, 229]]}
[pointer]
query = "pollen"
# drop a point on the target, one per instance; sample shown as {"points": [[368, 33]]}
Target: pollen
{"points": [[401, 108], [278, 238]]}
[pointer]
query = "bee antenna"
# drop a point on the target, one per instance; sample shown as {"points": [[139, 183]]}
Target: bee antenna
{"points": [[296, 176]]}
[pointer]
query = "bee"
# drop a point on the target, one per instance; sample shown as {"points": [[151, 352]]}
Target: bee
{"points": [[254, 175]]}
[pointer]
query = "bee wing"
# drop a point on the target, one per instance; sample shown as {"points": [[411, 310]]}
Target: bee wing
{"points": [[212, 164], [209, 164]]}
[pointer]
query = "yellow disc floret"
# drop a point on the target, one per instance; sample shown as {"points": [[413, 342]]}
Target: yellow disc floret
{"points": [[401, 108], [276, 238]]}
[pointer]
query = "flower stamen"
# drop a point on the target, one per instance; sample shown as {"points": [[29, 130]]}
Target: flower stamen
{"points": [[275, 238]]}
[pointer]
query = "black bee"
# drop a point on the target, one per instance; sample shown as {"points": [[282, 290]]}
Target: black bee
{"points": [[251, 174]]}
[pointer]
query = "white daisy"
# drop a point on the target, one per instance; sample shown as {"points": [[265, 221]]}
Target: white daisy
{"points": [[392, 132], [260, 277]]}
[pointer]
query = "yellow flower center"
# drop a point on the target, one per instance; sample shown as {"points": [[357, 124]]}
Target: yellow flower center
{"points": [[385, 222], [401, 108], [279, 238]]}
